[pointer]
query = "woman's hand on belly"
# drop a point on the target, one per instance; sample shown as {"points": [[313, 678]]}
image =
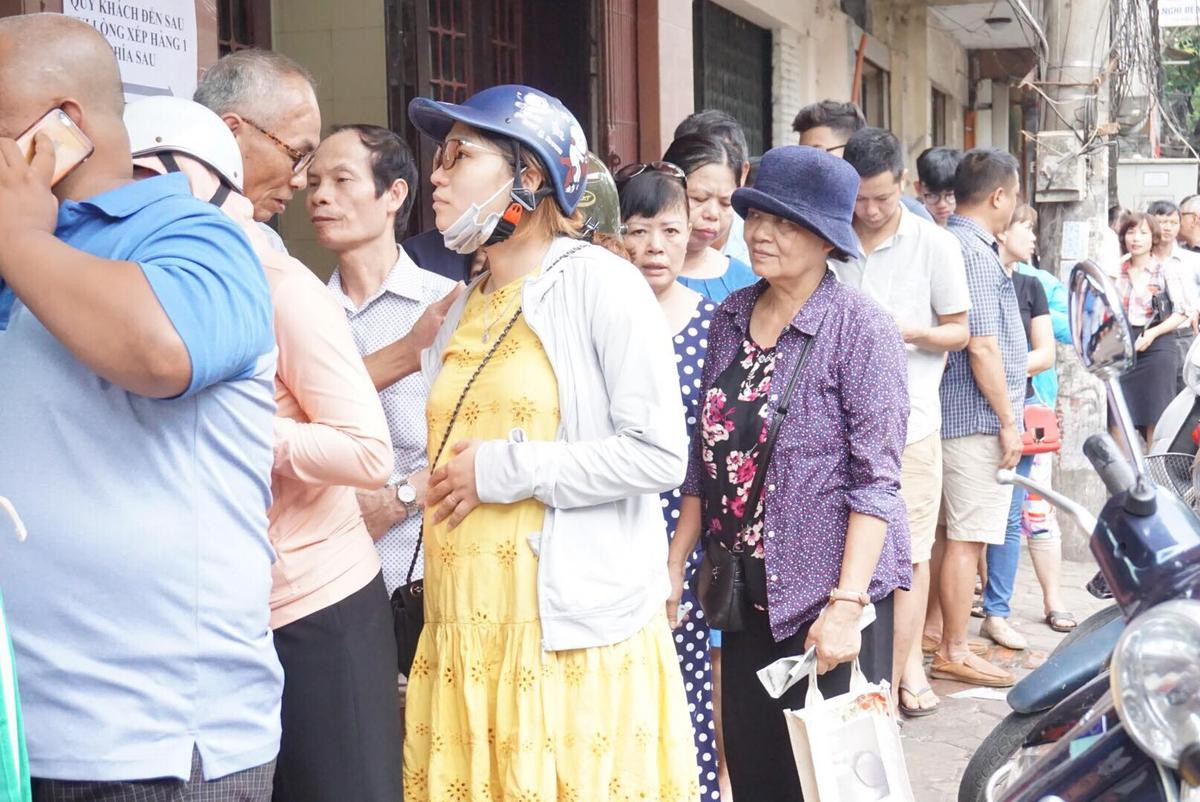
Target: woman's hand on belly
{"points": [[452, 492]]}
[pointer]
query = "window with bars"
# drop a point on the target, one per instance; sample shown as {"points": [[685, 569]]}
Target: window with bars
{"points": [[449, 55], [938, 107], [732, 70], [243, 24], [450, 49], [875, 104], [506, 41]]}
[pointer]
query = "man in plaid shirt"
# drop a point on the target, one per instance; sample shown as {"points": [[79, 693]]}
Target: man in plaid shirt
{"points": [[982, 397]]}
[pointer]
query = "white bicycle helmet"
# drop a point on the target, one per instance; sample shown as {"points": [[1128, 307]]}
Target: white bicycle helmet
{"points": [[162, 125]]}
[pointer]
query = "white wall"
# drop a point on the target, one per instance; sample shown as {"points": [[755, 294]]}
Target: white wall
{"points": [[345, 47]]}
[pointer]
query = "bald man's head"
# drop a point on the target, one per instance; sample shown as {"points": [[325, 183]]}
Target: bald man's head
{"points": [[46, 59]]}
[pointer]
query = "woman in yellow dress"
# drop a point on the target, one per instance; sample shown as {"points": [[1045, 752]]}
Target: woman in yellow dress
{"points": [[546, 669]]}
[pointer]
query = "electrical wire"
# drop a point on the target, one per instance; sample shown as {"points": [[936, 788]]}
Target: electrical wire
{"points": [[1019, 7]]}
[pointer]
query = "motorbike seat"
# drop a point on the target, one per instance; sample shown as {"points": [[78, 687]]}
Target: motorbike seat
{"points": [[1075, 662]]}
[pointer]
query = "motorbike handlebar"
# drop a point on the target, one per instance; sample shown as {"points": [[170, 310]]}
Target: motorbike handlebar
{"points": [[1077, 511], [1110, 462]]}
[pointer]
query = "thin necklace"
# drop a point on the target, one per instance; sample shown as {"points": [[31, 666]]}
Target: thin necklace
{"points": [[489, 323]]}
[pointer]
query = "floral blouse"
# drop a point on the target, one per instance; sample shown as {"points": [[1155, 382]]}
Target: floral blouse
{"points": [[732, 434], [1138, 294], [838, 450]]}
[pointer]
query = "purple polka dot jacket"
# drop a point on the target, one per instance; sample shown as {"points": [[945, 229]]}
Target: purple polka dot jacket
{"points": [[838, 449]]}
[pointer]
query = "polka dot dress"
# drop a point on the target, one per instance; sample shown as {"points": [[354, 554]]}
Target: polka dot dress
{"points": [[691, 639]]}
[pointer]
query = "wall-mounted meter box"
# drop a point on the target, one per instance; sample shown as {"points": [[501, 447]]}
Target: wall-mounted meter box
{"points": [[1140, 182]]}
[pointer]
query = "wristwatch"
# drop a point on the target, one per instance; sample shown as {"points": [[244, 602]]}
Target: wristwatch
{"points": [[406, 494], [857, 596]]}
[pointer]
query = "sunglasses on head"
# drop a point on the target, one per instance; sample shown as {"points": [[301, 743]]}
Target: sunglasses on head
{"points": [[631, 171]]}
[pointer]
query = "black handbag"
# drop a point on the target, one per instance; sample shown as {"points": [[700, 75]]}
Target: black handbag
{"points": [[728, 581], [1163, 308], [408, 600]]}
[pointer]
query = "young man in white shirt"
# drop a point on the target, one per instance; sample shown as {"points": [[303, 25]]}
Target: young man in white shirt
{"points": [[913, 269]]}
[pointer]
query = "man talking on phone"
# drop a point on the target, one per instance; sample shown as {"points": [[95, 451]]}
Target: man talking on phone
{"points": [[136, 414]]}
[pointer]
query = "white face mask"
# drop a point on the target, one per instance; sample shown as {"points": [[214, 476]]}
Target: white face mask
{"points": [[467, 233]]}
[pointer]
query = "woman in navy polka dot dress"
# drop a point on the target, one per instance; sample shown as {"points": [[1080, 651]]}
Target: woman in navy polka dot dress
{"points": [[654, 208]]}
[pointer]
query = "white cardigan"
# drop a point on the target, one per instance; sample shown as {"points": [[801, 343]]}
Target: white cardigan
{"points": [[602, 571]]}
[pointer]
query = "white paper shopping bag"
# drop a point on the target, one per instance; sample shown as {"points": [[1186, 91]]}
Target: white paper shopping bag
{"points": [[847, 748]]}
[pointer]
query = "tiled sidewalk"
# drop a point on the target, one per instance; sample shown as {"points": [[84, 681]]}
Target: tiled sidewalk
{"points": [[939, 746]]}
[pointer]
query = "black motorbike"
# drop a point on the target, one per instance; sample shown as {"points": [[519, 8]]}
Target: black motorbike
{"points": [[1114, 713]]}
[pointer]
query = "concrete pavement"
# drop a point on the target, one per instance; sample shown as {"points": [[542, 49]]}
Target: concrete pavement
{"points": [[938, 747]]}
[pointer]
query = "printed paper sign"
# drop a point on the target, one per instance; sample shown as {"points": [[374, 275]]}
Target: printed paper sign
{"points": [[1177, 13], [154, 40]]}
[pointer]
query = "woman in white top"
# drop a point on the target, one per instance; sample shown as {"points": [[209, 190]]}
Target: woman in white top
{"points": [[1151, 293]]}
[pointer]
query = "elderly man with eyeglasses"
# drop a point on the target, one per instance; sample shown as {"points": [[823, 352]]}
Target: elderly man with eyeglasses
{"points": [[1189, 223], [269, 102]]}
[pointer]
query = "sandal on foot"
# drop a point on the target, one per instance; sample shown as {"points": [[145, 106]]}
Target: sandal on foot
{"points": [[977, 608], [918, 711], [1060, 621], [972, 671], [929, 645]]}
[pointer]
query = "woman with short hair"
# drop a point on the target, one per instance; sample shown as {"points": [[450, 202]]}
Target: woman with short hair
{"points": [[817, 521], [654, 209], [1153, 295]]}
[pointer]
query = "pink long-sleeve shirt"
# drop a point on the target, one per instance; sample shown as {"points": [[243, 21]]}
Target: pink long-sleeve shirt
{"points": [[330, 438], [331, 435]]}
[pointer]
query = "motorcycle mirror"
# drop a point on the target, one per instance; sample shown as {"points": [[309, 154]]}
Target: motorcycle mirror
{"points": [[1099, 327], [1104, 343]]}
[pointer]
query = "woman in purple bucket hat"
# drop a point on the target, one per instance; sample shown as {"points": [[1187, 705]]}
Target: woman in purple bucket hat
{"points": [[794, 472]]}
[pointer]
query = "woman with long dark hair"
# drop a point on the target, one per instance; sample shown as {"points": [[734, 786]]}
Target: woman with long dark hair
{"points": [[712, 177]]}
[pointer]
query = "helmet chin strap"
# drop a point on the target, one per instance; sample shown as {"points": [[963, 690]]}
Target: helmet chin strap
{"points": [[218, 198], [523, 200]]}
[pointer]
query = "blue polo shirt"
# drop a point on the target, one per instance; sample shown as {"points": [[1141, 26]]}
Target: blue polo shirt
{"points": [[138, 606]]}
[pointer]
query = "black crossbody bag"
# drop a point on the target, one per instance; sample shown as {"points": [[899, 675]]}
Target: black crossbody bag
{"points": [[727, 582], [408, 600]]}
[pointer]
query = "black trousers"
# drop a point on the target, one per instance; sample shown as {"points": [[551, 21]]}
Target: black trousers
{"points": [[341, 731], [757, 748]]}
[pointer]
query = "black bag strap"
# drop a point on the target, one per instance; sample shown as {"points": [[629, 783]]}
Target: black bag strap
{"points": [[412, 566], [781, 411]]}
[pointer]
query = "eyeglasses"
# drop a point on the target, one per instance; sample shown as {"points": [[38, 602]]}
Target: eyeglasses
{"points": [[300, 159], [631, 171], [450, 149], [931, 198]]}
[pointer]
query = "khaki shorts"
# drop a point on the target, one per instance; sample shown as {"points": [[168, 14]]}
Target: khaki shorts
{"points": [[921, 487], [974, 505]]}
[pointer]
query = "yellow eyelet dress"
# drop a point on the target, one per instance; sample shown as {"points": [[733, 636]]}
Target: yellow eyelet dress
{"points": [[490, 715]]}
